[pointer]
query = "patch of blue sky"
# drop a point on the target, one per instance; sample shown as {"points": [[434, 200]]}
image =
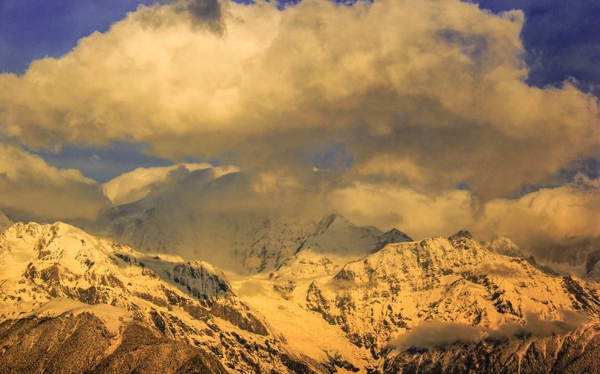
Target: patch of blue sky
{"points": [[334, 157], [588, 168], [34, 29], [561, 39], [103, 164]]}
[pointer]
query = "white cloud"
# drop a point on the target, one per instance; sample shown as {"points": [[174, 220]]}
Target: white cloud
{"points": [[555, 224], [416, 214], [434, 87], [137, 184], [33, 190]]}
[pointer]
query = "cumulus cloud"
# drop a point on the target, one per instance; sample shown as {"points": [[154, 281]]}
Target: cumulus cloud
{"points": [[33, 190], [554, 223], [417, 214], [435, 88], [137, 184]]}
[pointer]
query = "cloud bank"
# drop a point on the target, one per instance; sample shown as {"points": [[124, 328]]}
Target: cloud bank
{"points": [[377, 111], [139, 183], [33, 190], [436, 86]]}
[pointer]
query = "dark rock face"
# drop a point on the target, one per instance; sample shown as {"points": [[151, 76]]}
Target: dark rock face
{"points": [[392, 236], [143, 350], [200, 282], [82, 344], [238, 314], [65, 345]]}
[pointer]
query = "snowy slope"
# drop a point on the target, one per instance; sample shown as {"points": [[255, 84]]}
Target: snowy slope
{"points": [[58, 270], [346, 299], [456, 284], [335, 242], [452, 280]]}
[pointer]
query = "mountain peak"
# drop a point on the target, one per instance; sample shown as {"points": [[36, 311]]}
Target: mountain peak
{"points": [[389, 237], [397, 235], [329, 220], [504, 246], [461, 234]]}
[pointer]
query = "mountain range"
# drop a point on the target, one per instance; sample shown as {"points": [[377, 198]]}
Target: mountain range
{"points": [[322, 296]]}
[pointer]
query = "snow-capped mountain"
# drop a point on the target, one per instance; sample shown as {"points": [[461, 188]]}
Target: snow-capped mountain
{"points": [[245, 244], [335, 242], [415, 306], [60, 272], [197, 220], [345, 299], [450, 280]]}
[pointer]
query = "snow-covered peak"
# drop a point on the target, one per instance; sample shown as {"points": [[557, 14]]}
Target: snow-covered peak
{"points": [[462, 234], [504, 246], [335, 235], [60, 260], [392, 236], [336, 242], [57, 243]]}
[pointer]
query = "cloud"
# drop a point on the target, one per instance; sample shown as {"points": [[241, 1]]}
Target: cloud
{"points": [[438, 335], [552, 223], [33, 190], [376, 111], [390, 206], [536, 326], [250, 288], [435, 334], [435, 88], [5, 222], [137, 184]]}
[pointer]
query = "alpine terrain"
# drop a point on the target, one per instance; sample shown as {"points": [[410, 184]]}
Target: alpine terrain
{"points": [[302, 297]]}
